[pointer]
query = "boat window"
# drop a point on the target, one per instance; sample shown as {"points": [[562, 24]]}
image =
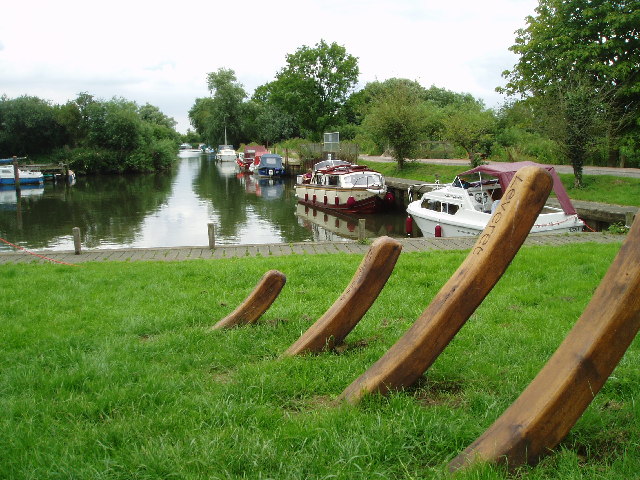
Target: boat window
{"points": [[333, 180], [431, 205], [367, 180], [450, 208]]}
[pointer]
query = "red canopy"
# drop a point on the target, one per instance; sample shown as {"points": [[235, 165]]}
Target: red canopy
{"points": [[505, 172]]}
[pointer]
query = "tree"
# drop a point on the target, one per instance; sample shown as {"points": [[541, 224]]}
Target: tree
{"points": [[470, 126], [221, 111], [595, 41], [313, 86], [29, 125], [398, 119]]}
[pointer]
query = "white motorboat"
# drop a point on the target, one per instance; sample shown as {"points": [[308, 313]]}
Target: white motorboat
{"points": [[226, 153], [463, 208], [27, 177]]}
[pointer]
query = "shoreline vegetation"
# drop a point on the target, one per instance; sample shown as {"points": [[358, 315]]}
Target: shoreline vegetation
{"points": [[110, 371]]}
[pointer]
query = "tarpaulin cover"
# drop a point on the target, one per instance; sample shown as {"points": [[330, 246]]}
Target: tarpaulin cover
{"points": [[505, 172]]}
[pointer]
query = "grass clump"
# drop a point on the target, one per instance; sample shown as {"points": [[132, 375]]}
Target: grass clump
{"points": [[111, 371]]}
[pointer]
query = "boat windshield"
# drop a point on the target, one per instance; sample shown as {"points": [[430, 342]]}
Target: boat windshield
{"points": [[474, 180], [364, 179]]}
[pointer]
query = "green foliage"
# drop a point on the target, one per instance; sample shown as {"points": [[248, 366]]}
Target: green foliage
{"points": [[471, 127], [618, 229], [579, 60], [313, 87], [29, 125], [92, 136], [397, 119]]}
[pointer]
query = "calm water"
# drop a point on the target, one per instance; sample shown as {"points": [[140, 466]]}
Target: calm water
{"points": [[173, 209]]}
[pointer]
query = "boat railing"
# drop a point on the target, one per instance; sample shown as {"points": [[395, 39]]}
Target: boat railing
{"points": [[420, 188]]}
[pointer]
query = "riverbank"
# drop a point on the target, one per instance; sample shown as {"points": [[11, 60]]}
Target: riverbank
{"points": [[166, 254]]}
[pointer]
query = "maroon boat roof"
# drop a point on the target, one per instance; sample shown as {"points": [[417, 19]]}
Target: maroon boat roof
{"points": [[505, 172]]}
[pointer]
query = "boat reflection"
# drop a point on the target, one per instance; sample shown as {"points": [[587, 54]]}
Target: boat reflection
{"points": [[332, 226], [266, 188]]}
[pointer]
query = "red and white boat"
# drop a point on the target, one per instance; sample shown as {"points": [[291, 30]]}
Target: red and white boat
{"points": [[251, 152], [343, 187]]}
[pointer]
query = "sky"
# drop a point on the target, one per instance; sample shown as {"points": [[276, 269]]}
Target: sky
{"points": [[161, 52]]}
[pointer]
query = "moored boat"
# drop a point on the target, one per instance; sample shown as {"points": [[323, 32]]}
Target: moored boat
{"points": [[226, 153], [463, 208], [27, 177], [344, 187], [268, 165], [251, 152]]}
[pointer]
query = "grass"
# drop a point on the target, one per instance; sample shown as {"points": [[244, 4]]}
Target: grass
{"points": [[109, 371], [597, 188]]}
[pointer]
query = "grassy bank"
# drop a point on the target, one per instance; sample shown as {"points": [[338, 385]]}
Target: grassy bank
{"points": [[597, 188], [109, 371]]}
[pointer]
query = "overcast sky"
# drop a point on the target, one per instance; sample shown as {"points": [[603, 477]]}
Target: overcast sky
{"points": [[160, 52]]}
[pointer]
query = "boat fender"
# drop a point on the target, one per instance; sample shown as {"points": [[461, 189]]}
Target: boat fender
{"points": [[351, 202], [438, 231], [389, 198], [408, 225]]}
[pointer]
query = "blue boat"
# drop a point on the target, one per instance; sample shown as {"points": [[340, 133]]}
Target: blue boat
{"points": [[27, 177], [270, 166]]}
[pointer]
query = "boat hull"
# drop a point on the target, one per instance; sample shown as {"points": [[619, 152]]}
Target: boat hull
{"points": [[24, 180], [470, 224], [347, 200]]}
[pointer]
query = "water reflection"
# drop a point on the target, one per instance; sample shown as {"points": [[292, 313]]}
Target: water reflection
{"points": [[168, 209]]}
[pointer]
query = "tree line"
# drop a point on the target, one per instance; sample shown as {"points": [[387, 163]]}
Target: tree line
{"points": [[573, 97], [91, 135]]}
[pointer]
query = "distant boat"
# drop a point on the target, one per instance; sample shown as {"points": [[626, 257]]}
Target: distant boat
{"points": [[268, 165], [187, 150], [226, 153], [27, 177], [251, 152]]}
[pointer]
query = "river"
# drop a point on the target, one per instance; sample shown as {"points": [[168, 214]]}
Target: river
{"points": [[171, 209]]}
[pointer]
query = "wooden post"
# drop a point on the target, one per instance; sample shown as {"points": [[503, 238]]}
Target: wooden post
{"points": [[16, 173], [76, 240], [212, 235], [361, 229]]}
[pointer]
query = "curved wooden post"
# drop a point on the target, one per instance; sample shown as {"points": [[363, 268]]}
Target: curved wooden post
{"points": [[498, 243], [556, 398], [257, 302], [366, 284]]}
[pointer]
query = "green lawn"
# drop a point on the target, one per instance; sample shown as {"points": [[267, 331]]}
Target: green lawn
{"points": [[597, 188], [109, 371]]}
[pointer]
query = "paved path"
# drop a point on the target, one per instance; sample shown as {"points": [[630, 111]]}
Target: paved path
{"points": [[587, 170], [274, 250]]}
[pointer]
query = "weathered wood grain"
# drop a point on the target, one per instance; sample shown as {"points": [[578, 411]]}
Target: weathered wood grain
{"points": [[263, 295], [413, 354], [365, 286], [556, 398]]}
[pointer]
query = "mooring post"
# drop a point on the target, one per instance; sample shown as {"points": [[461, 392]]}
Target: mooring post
{"points": [[361, 230], [212, 235], [16, 173], [76, 240]]}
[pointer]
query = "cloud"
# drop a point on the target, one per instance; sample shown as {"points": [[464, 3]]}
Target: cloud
{"points": [[158, 53]]}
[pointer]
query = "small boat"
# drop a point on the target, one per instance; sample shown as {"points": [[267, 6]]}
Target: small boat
{"points": [[226, 153], [250, 153], [463, 208], [343, 187], [267, 165], [187, 150], [27, 177]]}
